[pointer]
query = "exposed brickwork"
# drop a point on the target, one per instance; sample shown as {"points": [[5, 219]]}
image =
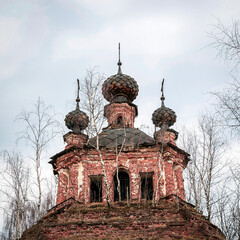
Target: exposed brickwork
{"points": [[158, 161], [169, 177], [63, 177], [73, 139], [179, 181], [83, 163], [76, 218], [165, 137], [171, 218], [75, 167], [114, 110]]}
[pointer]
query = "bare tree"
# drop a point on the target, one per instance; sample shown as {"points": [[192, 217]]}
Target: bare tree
{"points": [[227, 214], [228, 107], [49, 198], [15, 188], [118, 153], [227, 208], [206, 147], [235, 206], [93, 103], [92, 100], [226, 39], [40, 127]]}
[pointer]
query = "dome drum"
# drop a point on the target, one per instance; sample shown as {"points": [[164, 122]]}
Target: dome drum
{"points": [[120, 115]]}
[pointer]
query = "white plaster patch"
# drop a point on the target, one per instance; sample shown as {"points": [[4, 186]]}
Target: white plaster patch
{"points": [[80, 177], [164, 178]]}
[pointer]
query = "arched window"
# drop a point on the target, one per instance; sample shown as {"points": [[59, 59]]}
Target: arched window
{"points": [[124, 186], [119, 120]]}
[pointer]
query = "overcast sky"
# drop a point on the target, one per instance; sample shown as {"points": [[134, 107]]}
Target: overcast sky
{"points": [[46, 45]]}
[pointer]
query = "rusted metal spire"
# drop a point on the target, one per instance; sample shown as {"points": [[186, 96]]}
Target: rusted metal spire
{"points": [[119, 61], [78, 99], [162, 97]]}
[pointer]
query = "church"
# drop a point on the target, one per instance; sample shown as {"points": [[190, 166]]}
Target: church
{"points": [[122, 183]]}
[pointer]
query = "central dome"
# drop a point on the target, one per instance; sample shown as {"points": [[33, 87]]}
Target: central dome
{"points": [[120, 88]]}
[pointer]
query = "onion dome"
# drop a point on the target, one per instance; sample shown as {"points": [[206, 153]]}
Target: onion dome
{"points": [[120, 87], [77, 120], [163, 117]]}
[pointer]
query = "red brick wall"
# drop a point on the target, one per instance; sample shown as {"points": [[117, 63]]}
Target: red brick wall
{"points": [[86, 162], [179, 181], [112, 111], [170, 218], [62, 186], [73, 139]]}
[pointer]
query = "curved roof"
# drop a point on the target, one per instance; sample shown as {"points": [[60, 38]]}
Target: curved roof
{"points": [[77, 120], [120, 84], [110, 138], [164, 115]]}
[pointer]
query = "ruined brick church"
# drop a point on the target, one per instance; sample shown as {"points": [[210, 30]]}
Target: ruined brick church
{"points": [[122, 183]]}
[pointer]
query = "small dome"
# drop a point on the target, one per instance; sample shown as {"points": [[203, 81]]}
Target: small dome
{"points": [[164, 115], [120, 85], [77, 121]]}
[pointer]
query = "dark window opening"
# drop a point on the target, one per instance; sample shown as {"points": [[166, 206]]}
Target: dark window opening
{"points": [[119, 120], [147, 186], [124, 186], [96, 189]]}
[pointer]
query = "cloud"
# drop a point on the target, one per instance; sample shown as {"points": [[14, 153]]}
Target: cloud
{"points": [[155, 37], [10, 34], [11, 37], [22, 37]]}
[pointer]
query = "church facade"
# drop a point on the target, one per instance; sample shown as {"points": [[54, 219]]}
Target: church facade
{"points": [[122, 183], [146, 167]]}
